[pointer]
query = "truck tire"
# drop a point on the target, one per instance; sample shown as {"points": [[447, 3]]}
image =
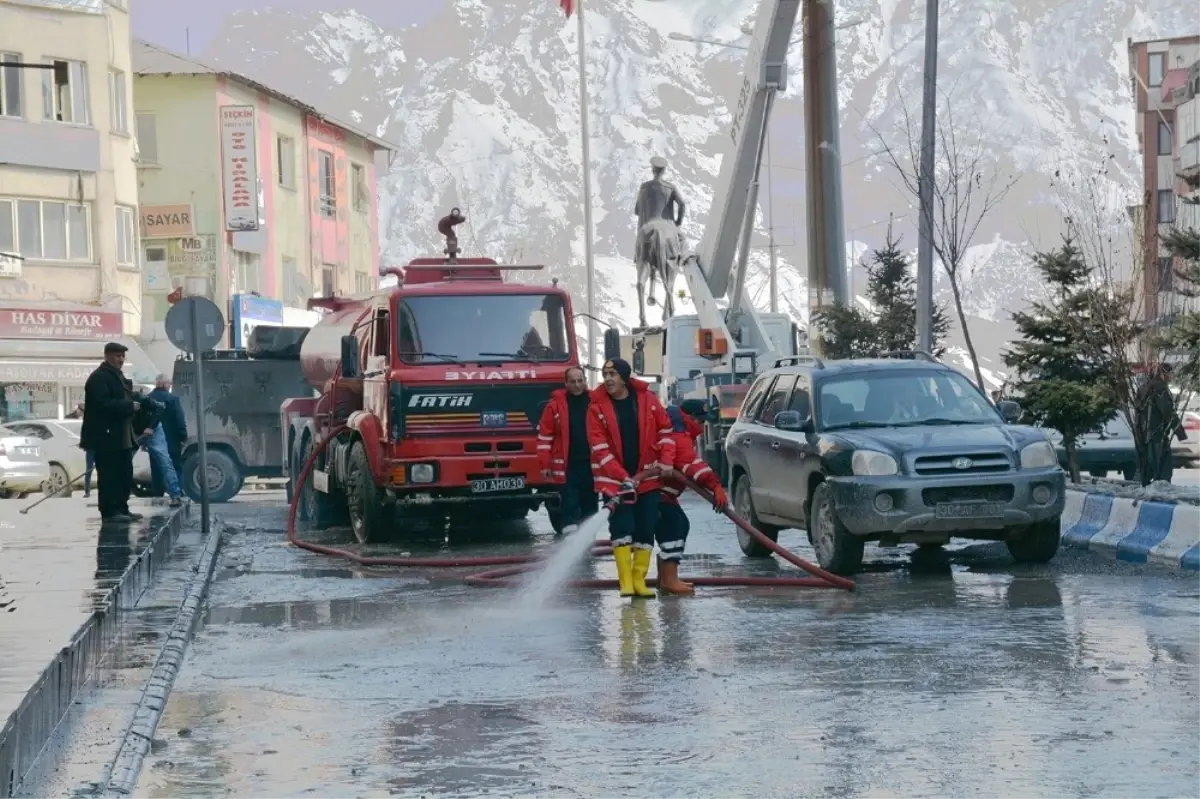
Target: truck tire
{"points": [[225, 476], [838, 550], [323, 510], [1037, 543], [299, 456], [364, 500], [743, 505]]}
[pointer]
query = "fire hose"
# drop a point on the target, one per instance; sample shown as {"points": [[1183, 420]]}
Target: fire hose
{"points": [[512, 565]]}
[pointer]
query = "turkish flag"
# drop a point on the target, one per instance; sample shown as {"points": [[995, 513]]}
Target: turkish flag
{"points": [[568, 7]]}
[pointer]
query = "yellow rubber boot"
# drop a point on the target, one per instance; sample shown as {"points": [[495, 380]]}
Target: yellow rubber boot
{"points": [[624, 558], [641, 567]]}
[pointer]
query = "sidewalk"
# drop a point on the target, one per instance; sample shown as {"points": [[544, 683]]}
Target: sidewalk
{"points": [[63, 583]]}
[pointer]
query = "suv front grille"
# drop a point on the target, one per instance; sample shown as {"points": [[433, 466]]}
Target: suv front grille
{"points": [[986, 493], [975, 463]]}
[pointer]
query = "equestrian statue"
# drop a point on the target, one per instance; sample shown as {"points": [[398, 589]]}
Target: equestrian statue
{"points": [[659, 246]]}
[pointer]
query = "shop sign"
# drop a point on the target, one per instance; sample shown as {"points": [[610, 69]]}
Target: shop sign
{"points": [[10, 264], [166, 221], [239, 167], [48, 372], [58, 325]]}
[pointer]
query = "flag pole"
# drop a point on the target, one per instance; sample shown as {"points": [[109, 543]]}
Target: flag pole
{"points": [[585, 135]]}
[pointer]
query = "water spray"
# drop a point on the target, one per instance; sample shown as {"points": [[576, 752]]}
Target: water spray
{"points": [[507, 567]]}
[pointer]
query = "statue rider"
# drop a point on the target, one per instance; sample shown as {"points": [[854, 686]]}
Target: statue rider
{"points": [[657, 199]]}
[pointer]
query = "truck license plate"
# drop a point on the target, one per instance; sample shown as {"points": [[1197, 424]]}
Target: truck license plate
{"points": [[493, 419], [497, 484], [968, 510]]}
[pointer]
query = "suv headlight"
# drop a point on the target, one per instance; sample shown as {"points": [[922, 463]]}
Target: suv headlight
{"points": [[869, 463], [1040, 455]]}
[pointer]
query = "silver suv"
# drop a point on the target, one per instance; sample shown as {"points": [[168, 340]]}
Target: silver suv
{"points": [[896, 450]]}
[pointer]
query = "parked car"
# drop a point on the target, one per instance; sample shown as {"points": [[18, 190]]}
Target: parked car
{"points": [[59, 441], [1110, 449], [1187, 453], [23, 470], [897, 450]]}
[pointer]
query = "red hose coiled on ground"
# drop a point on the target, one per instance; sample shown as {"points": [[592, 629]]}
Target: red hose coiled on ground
{"points": [[518, 564]]}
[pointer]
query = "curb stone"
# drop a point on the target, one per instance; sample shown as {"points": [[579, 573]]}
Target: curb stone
{"points": [[1132, 530], [32, 724]]}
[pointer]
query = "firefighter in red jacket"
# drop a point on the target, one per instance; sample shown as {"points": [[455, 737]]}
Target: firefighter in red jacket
{"points": [[564, 453], [673, 525], [630, 433]]}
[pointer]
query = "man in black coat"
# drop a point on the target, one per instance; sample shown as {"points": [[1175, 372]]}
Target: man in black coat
{"points": [[109, 410]]}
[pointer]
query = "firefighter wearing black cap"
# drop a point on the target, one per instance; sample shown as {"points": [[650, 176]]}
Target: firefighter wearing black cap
{"points": [[109, 410], [629, 433]]}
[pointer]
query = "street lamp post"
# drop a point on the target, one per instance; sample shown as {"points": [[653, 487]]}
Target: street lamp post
{"points": [[925, 183], [585, 135]]}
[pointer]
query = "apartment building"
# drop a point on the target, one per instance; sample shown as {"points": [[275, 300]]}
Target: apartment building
{"points": [[249, 196], [1162, 72], [69, 272]]}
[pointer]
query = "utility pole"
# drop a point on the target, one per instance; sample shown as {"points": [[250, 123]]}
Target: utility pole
{"points": [[771, 232], [826, 239], [585, 134], [925, 182]]}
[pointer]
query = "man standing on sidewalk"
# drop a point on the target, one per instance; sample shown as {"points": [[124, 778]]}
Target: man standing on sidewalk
{"points": [[564, 453], [107, 430], [174, 423]]}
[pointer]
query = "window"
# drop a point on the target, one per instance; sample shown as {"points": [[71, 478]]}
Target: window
{"points": [[65, 92], [328, 280], [45, 231], [904, 399], [328, 185], [1166, 273], [755, 397], [1166, 207], [120, 103], [1165, 140], [296, 290], [501, 328], [10, 87], [285, 153], [126, 237], [1158, 69], [20, 401], [358, 184], [147, 138], [800, 402], [363, 283], [777, 399], [247, 272]]}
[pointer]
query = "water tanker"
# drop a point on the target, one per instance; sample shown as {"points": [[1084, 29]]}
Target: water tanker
{"points": [[430, 395]]}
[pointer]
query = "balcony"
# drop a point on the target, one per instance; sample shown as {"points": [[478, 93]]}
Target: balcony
{"points": [[1187, 163], [49, 145]]}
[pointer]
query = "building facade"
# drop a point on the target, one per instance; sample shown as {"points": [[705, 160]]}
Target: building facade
{"points": [[1159, 70], [70, 277], [249, 197]]}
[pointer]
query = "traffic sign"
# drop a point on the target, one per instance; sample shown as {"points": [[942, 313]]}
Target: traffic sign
{"points": [[209, 325]]}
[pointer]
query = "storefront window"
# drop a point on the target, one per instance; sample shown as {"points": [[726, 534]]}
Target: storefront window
{"points": [[29, 401], [73, 399]]}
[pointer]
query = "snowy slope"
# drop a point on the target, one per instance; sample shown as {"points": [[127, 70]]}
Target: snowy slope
{"points": [[482, 101]]}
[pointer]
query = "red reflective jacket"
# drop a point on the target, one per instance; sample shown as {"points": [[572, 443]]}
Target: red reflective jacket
{"points": [[604, 434], [689, 462], [554, 437]]}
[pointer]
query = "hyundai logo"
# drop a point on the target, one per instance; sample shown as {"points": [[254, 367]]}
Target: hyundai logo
{"points": [[962, 464]]}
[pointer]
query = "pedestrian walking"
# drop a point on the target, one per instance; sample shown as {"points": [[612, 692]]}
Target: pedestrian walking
{"points": [[629, 432], [107, 431], [174, 422], [564, 453]]}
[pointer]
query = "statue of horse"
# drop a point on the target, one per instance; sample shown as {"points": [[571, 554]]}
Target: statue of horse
{"points": [[659, 249]]}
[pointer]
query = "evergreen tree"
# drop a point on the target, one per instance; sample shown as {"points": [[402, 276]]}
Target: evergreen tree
{"points": [[891, 325], [1184, 334], [1061, 386]]}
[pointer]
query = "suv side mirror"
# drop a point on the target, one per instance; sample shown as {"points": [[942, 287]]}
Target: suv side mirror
{"points": [[350, 357], [1010, 410], [792, 422]]}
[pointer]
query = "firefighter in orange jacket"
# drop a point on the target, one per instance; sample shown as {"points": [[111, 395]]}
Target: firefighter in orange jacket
{"points": [[630, 433], [564, 453], [673, 524]]}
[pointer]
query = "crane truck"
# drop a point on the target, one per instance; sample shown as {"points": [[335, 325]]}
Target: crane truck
{"points": [[714, 354], [430, 395]]}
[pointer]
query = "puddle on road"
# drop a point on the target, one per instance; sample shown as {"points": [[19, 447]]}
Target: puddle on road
{"points": [[308, 614]]}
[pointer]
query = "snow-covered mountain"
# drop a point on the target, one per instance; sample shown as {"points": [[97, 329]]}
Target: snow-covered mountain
{"points": [[482, 101]]}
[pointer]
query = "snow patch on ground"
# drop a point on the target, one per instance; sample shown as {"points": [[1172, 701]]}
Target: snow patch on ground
{"points": [[1158, 491]]}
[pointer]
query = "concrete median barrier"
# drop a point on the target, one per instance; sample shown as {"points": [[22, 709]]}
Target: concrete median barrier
{"points": [[1134, 531], [30, 726]]}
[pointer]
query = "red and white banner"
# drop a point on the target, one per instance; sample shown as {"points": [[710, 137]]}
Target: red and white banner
{"points": [[239, 167]]}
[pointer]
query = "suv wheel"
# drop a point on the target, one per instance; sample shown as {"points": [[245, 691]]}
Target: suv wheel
{"points": [[1038, 543], [744, 506], [837, 549]]}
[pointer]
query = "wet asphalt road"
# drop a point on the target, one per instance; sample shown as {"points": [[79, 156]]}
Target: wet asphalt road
{"points": [[966, 675]]}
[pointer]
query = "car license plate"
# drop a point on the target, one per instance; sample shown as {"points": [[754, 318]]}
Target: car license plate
{"points": [[27, 451], [497, 484], [493, 419], [968, 510]]}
